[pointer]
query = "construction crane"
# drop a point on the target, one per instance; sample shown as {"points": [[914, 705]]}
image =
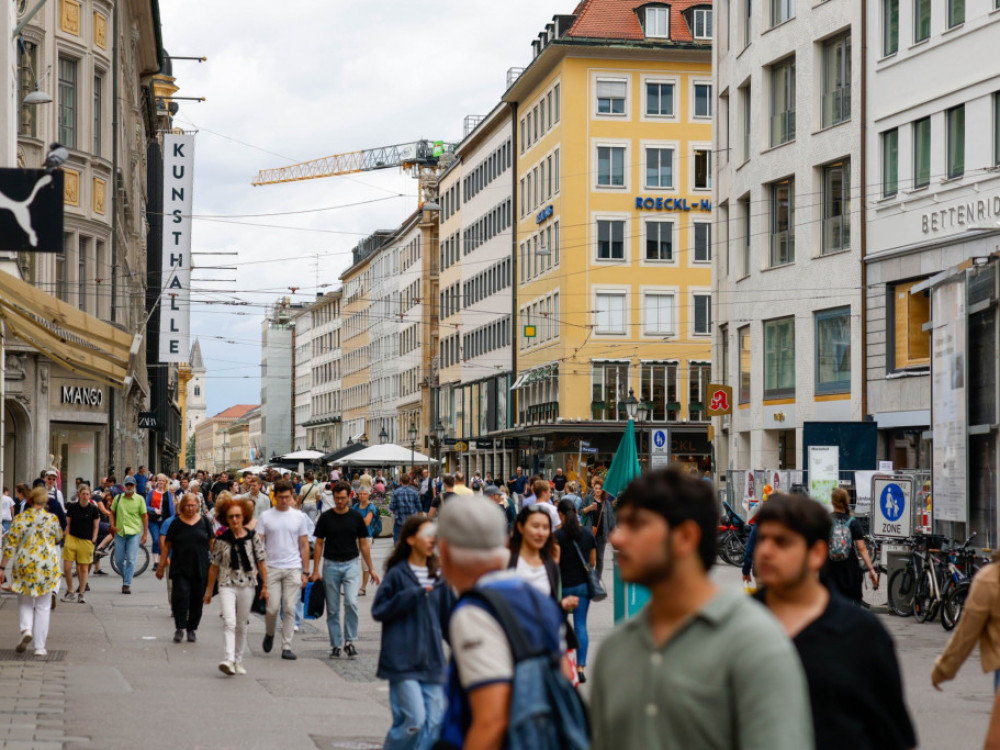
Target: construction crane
{"points": [[422, 159]]}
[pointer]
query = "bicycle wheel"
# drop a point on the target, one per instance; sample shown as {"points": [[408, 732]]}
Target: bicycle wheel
{"points": [[141, 561], [113, 558], [924, 604], [732, 550], [902, 587], [953, 605], [872, 596]]}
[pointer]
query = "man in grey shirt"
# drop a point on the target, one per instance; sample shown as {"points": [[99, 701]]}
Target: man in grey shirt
{"points": [[699, 667]]}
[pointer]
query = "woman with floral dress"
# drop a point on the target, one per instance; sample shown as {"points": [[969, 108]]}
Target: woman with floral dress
{"points": [[32, 543]]}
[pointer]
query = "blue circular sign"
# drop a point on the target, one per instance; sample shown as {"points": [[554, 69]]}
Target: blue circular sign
{"points": [[660, 438], [892, 502]]}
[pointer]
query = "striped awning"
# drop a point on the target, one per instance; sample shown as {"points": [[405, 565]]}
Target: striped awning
{"points": [[78, 341]]}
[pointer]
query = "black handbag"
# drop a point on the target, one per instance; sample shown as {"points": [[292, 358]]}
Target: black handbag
{"points": [[316, 603], [595, 586]]}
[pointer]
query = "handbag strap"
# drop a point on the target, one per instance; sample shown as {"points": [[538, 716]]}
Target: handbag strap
{"points": [[579, 552]]}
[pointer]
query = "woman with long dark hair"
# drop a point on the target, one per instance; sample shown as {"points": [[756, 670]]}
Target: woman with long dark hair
{"points": [[579, 551], [412, 604], [535, 555]]}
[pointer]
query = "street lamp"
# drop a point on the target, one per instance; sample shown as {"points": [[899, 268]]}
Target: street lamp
{"points": [[413, 443], [439, 432], [631, 404], [383, 436]]}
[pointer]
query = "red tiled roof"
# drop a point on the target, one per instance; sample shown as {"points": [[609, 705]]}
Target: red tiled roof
{"points": [[617, 19], [235, 412]]}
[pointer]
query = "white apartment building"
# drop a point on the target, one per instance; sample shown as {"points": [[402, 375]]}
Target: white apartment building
{"points": [[476, 296], [787, 266], [302, 376], [933, 154], [323, 426]]}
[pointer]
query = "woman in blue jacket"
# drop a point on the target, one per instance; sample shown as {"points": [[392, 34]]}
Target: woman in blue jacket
{"points": [[412, 603]]}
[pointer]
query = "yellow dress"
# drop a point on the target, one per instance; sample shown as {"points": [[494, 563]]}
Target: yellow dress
{"points": [[33, 546]]}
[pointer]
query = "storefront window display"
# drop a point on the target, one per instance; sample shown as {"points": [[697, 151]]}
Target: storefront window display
{"points": [[73, 450]]}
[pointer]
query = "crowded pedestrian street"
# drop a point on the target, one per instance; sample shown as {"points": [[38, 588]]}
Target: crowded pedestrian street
{"points": [[116, 651]]}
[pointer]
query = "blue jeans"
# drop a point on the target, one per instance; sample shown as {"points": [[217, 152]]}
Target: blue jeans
{"points": [[154, 532], [126, 550], [580, 619], [348, 575], [417, 712]]}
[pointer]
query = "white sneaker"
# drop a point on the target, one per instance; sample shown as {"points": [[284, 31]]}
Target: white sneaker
{"points": [[240, 669], [25, 640], [69, 596], [41, 652], [227, 667]]}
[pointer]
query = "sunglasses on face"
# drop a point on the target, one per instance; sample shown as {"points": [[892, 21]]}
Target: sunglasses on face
{"points": [[233, 516]]}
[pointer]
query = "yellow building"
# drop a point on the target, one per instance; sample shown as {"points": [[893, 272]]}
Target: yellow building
{"points": [[613, 216]]}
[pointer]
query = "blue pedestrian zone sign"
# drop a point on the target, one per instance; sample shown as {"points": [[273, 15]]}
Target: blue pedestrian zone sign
{"points": [[891, 511], [660, 438], [893, 502]]}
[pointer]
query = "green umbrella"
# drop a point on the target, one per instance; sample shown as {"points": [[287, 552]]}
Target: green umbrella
{"points": [[625, 466]]}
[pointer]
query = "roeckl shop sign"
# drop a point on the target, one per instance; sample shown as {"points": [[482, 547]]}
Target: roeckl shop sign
{"points": [[78, 395]]}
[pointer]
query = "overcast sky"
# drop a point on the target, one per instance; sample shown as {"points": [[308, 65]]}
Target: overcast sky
{"points": [[300, 80]]}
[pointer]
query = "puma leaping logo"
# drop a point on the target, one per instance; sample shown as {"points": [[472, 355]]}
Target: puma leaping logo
{"points": [[20, 209]]}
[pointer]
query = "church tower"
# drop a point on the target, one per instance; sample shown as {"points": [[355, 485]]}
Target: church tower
{"points": [[195, 391]]}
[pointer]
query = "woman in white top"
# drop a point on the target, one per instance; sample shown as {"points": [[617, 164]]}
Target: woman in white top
{"points": [[534, 554]]}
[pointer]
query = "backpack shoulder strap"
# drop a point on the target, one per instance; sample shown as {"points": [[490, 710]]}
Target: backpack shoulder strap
{"points": [[520, 646]]}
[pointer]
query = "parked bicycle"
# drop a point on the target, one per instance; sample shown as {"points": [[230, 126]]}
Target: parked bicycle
{"points": [[903, 583], [938, 574], [874, 594], [733, 534]]}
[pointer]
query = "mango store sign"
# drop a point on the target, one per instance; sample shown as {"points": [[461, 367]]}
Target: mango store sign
{"points": [[645, 203], [175, 299]]}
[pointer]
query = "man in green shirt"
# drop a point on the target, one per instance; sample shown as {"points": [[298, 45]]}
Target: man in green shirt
{"points": [[128, 520], [699, 667]]}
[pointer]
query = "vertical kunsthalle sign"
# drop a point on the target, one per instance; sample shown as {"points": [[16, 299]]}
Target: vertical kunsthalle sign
{"points": [[175, 302]]}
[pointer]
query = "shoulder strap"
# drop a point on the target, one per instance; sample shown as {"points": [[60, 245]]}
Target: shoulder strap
{"points": [[579, 552], [520, 646]]}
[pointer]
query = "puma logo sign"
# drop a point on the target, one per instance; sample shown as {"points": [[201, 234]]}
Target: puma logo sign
{"points": [[20, 209]]}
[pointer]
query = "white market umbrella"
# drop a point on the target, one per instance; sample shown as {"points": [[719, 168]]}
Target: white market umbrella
{"points": [[306, 455], [385, 455]]}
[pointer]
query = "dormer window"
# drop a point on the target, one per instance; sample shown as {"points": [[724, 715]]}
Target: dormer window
{"points": [[657, 21], [702, 23]]}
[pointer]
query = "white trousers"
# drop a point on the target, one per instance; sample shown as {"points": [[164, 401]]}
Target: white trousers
{"points": [[236, 602], [34, 615]]}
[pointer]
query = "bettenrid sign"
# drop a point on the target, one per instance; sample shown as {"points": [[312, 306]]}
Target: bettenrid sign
{"points": [[175, 301]]}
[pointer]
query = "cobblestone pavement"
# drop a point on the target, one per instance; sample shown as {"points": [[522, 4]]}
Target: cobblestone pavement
{"points": [[124, 684]]}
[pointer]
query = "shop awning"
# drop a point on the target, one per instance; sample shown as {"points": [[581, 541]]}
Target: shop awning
{"points": [[76, 340], [534, 376]]}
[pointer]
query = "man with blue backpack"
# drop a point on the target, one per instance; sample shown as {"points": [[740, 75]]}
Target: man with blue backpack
{"points": [[507, 682]]}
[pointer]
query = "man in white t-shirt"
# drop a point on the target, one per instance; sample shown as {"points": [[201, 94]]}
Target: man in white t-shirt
{"points": [[6, 510], [543, 497], [286, 542]]}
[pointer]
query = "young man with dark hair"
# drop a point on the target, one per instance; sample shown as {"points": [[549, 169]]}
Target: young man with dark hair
{"points": [[700, 667], [404, 503], [340, 533], [849, 658], [286, 543]]}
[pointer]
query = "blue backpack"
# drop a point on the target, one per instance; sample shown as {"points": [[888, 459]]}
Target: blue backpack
{"points": [[375, 528], [546, 712]]}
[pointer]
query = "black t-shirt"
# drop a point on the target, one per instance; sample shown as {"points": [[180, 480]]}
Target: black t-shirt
{"points": [[189, 548], [340, 533], [217, 488], [559, 480], [570, 567], [81, 520], [854, 682]]}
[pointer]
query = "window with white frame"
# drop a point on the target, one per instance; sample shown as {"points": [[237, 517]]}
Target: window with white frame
{"points": [[659, 240], [702, 241], [658, 388], [703, 23], [610, 389], [611, 166], [610, 239], [657, 22], [781, 11], [833, 351], [702, 314], [611, 97], [783, 102], [837, 80], [702, 169], [782, 222], [658, 314], [779, 358], [659, 167], [703, 100], [610, 313], [699, 376], [837, 207], [890, 162], [659, 99]]}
